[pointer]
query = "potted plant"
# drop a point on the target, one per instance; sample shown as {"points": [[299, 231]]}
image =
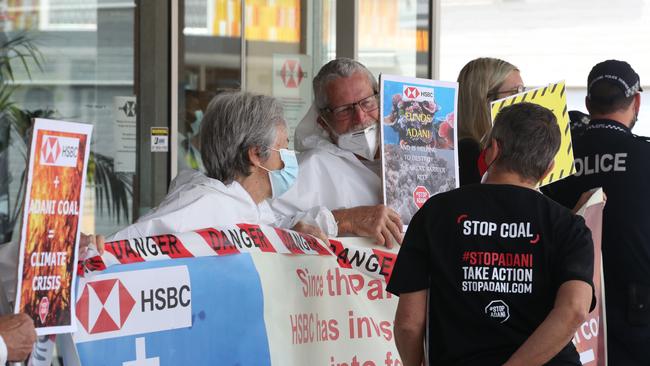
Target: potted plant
{"points": [[112, 189]]}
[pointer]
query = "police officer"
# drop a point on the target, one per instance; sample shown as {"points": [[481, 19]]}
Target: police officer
{"points": [[608, 155]]}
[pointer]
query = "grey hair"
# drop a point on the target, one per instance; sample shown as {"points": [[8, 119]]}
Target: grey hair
{"points": [[338, 68], [233, 123]]}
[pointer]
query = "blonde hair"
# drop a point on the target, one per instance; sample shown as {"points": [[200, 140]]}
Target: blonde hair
{"points": [[478, 81]]}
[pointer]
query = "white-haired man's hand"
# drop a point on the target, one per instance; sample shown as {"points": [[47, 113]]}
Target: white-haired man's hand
{"points": [[379, 222]]}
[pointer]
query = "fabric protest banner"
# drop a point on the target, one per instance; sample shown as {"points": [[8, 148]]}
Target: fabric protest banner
{"points": [[251, 306], [590, 339], [420, 157], [50, 227], [241, 238], [552, 97]]}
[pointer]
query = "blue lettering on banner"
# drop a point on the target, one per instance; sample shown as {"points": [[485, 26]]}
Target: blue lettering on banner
{"points": [[227, 319]]}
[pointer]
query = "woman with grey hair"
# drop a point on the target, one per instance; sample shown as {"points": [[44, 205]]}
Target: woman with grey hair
{"points": [[244, 150]]}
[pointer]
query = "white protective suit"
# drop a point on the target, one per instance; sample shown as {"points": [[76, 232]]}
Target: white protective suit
{"points": [[329, 177], [196, 201]]}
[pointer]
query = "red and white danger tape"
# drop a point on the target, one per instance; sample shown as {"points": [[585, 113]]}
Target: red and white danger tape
{"points": [[235, 239]]}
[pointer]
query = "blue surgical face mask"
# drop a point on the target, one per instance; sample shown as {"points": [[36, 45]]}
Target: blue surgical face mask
{"points": [[283, 179]]}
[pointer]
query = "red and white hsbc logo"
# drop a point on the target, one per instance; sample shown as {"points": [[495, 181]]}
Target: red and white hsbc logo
{"points": [[291, 73], [417, 93], [144, 301], [110, 303], [59, 151]]}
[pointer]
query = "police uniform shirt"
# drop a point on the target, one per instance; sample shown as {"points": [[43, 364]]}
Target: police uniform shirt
{"points": [[493, 258], [608, 155]]}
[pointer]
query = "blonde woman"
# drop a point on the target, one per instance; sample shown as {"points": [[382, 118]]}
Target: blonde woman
{"points": [[481, 81]]}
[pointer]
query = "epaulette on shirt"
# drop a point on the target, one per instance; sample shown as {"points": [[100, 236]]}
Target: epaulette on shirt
{"points": [[578, 128]]}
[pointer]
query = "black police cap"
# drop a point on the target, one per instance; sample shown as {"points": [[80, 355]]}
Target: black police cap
{"points": [[617, 73]]}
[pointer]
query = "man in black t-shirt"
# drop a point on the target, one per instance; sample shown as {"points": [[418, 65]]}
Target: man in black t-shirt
{"points": [[502, 273], [608, 155]]}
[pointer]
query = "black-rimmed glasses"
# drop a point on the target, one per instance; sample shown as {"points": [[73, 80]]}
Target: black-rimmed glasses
{"points": [[509, 92]]}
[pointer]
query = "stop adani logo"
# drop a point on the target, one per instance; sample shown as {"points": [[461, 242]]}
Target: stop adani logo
{"points": [[135, 302], [416, 93], [59, 151]]}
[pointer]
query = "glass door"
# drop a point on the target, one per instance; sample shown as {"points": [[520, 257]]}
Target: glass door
{"points": [[70, 60], [286, 43], [275, 47], [210, 61]]}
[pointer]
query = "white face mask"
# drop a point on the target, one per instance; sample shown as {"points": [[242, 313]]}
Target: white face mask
{"points": [[363, 143]]}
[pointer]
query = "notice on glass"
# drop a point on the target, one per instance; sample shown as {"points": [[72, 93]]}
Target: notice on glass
{"points": [[159, 139], [419, 141], [50, 228], [292, 86], [124, 115]]}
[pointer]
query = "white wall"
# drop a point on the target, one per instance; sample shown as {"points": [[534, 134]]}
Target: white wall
{"points": [[549, 40]]}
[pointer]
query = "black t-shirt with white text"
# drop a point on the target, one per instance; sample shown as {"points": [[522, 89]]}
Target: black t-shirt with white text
{"points": [[493, 258]]}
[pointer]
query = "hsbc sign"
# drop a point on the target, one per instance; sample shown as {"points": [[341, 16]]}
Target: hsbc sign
{"points": [[291, 73], [417, 93], [110, 303], [59, 151], [126, 303]]}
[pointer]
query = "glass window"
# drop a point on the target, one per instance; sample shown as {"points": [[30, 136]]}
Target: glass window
{"points": [[403, 26], [285, 44], [71, 60], [549, 40], [210, 61], [279, 53], [285, 40]]}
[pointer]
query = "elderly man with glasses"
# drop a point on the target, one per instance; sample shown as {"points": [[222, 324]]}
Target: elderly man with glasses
{"points": [[340, 165]]}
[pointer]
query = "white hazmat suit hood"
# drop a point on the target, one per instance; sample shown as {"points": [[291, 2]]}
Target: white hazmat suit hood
{"points": [[196, 201], [329, 177]]}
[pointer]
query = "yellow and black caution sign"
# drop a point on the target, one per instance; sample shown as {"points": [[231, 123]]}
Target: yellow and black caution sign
{"points": [[552, 97]]}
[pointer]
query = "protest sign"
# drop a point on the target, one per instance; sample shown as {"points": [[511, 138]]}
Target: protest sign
{"points": [[241, 238], [256, 295], [420, 156], [590, 338], [50, 227], [552, 97]]}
